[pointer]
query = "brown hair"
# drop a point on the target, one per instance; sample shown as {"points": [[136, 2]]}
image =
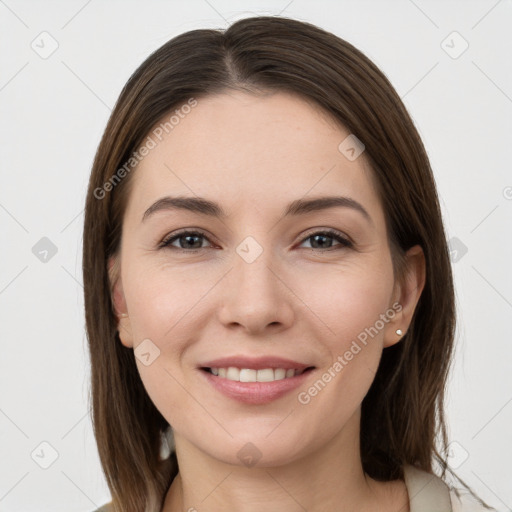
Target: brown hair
{"points": [[402, 414]]}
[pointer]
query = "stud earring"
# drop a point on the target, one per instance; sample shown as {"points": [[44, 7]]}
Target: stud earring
{"points": [[123, 315], [399, 332]]}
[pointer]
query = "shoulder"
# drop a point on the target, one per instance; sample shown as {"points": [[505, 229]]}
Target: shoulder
{"points": [[466, 503], [429, 492], [105, 508], [426, 491]]}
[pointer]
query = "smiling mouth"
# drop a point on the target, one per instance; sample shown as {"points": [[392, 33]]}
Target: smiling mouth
{"points": [[251, 375]]}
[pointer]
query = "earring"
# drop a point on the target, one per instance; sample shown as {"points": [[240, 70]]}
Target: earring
{"points": [[399, 332], [166, 443], [123, 315]]}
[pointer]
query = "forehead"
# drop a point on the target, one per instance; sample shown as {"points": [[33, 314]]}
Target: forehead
{"points": [[236, 147]]}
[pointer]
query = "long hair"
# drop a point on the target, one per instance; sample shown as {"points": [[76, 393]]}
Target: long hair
{"points": [[402, 417]]}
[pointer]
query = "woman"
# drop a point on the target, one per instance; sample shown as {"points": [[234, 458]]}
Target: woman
{"points": [[268, 291]]}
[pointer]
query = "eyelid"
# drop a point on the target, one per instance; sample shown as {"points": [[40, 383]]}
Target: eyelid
{"points": [[185, 231], [334, 233], [344, 241]]}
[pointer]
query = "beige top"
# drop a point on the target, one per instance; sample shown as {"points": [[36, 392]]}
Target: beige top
{"points": [[427, 493]]}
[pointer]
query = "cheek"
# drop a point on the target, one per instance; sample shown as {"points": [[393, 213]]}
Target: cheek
{"points": [[160, 300], [351, 306], [167, 307], [342, 302], [350, 302], [335, 306], [162, 309]]}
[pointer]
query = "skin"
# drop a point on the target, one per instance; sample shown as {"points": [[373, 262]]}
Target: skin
{"points": [[253, 155]]}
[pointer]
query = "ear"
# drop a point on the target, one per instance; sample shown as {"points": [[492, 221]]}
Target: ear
{"points": [[118, 299], [406, 296]]}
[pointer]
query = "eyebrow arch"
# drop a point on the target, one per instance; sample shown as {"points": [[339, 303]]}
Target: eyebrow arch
{"points": [[298, 207]]}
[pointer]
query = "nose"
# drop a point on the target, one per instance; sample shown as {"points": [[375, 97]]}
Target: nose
{"points": [[256, 297]]}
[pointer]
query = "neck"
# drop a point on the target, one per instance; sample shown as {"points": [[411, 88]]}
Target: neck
{"points": [[329, 478]]}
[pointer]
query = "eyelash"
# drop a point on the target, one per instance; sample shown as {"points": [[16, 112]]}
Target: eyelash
{"points": [[331, 233]]}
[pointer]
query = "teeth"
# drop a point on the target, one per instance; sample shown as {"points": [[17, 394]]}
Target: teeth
{"points": [[250, 375], [233, 373], [267, 375], [245, 375], [280, 373]]}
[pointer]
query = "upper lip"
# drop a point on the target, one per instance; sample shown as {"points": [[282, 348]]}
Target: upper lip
{"points": [[255, 363]]}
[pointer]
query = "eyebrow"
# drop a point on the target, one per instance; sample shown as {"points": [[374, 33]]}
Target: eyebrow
{"points": [[204, 206]]}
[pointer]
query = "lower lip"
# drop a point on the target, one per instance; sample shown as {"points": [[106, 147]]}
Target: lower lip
{"points": [[256, 393]]}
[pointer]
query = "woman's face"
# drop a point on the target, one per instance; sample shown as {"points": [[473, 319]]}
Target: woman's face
{"points": [[256, 282]]}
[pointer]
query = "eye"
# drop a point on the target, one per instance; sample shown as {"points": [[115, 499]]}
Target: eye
{"points": [[318, 239], [189, 241]]}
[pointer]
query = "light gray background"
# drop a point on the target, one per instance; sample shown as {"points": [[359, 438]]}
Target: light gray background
{"points": [[53, 112]]}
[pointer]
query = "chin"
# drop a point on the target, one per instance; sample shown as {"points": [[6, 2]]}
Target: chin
{"points": [[256, 451]]}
